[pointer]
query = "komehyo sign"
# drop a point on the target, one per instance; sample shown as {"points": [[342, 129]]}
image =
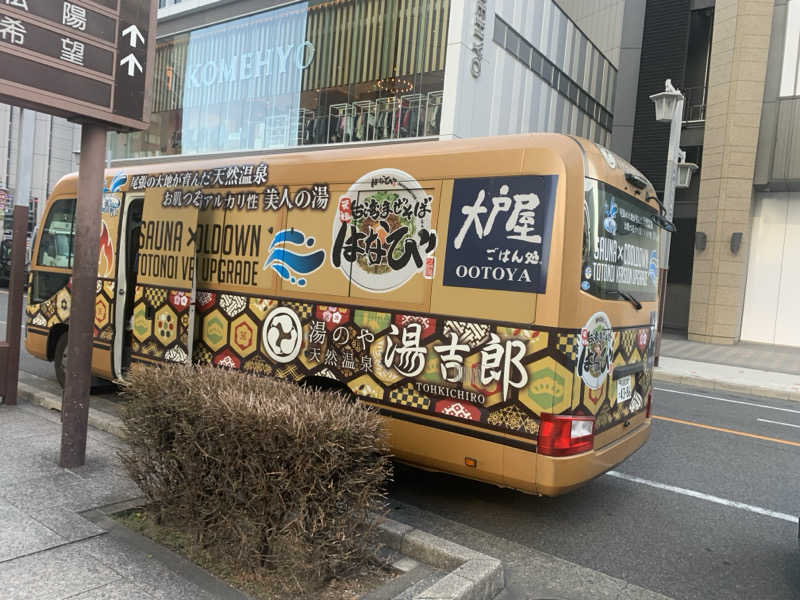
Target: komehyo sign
{"points": [[79, 58]]}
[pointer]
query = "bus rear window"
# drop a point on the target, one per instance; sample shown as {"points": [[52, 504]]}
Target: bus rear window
{"points": [[55, 241], [620, 245]]}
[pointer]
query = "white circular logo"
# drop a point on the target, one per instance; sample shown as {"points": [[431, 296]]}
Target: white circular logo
{"points": [[596, 350], [282, 335], [382, 230]]}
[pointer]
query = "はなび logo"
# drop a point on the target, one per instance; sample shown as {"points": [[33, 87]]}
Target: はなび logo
{"points": [[382, 232]]}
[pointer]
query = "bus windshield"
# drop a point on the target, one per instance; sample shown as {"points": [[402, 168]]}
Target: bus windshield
{"points": [[620, 245]]}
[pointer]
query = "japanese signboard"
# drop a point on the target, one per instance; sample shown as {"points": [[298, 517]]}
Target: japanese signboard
{"points": [[499, 233], [79, 58]]}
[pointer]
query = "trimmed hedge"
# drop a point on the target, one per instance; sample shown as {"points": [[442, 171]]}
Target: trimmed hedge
{"points": [[265, 471]]}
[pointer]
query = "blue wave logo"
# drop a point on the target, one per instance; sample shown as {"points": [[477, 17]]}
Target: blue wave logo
{"points": [[290, 264], [110, 205], [116, 182]]}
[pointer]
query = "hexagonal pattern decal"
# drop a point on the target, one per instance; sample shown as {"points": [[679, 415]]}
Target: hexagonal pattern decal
{"points": [[63, 304], [244, 336], [549, 387], [102, 313], [142, 327], [165, 325], [215, 330], [495, 375], [227, 359]]}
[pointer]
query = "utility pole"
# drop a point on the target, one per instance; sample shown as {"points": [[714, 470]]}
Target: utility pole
{"points": [[669, 108]]}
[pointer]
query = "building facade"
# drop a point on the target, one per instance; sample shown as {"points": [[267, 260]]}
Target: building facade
{"points": [[732, 262], [56, 153], [259, 75], [774, 253]]}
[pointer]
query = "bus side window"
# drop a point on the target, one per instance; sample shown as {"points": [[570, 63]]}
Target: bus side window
{"points": [[47, 284], [55, 243]]}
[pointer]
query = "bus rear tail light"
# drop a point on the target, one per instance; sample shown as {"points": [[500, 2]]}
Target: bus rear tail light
{"points": [[563, 435]]}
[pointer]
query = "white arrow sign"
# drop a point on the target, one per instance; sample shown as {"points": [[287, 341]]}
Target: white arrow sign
{"points": [[132, 63], [134, 32]]}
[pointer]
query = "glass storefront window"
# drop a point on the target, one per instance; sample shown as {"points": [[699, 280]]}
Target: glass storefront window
{"points": [[314, 72]]}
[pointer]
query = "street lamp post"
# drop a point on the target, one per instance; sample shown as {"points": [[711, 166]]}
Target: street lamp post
{"points": [[669, 108]]}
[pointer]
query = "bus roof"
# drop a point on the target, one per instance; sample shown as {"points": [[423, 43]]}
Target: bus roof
{"points": [[598, 162]]}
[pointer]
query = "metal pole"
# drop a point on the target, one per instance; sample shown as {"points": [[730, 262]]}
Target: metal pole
{"points": [[669, 204], [75, 406], [671, 177], [16, 282]]}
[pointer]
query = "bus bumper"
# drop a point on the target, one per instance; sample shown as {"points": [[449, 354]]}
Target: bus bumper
{"points": [[558, 475], [36, 344]]}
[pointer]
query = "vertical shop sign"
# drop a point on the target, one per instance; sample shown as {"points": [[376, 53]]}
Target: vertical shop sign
{"points": [[478, 37]]}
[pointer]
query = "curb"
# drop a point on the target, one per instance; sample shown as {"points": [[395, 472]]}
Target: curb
{"points": [[98, 420], [719, 385], [472, 576], [173, 561]]}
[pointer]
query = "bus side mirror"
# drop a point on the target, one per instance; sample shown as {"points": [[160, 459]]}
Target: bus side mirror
{"points": [[664, 223]]}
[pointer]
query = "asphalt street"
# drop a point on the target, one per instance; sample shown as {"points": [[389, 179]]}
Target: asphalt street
{"points": [[26, 361], [706, 509]]}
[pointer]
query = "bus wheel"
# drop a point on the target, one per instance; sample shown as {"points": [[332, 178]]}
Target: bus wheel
{"points": [[60, 359]]}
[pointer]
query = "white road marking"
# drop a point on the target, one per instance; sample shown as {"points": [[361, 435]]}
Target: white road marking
{"points": [[778, 423], [789, 410], [706, 497]]}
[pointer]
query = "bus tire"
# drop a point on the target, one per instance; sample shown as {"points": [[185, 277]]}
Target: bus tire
{"points": [[60, 359]]}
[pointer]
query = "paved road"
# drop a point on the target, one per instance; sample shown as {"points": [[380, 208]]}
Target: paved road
{"points": [[666, 519]]}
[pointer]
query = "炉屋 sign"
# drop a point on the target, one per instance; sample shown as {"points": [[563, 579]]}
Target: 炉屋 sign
{"points": [[79, 58]]}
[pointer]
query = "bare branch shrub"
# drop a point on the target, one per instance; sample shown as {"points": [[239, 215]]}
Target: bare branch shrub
{"points": [[260, 469]]}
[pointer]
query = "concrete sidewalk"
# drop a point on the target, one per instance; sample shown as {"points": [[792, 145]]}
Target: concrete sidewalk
{"points": [[745, 369], [55, 538]]}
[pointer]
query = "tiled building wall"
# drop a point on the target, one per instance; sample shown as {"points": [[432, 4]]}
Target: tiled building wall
{"points": [[739, 51]]}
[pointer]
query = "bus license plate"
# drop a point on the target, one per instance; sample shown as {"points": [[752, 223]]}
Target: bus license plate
{"points": [[624, 389]]}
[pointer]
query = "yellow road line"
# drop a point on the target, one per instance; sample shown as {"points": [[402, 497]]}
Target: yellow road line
{"points": [[733, 431]]}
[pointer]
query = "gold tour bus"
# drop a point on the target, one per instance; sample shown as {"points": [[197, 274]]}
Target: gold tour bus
{"points": [[495, 299]]}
